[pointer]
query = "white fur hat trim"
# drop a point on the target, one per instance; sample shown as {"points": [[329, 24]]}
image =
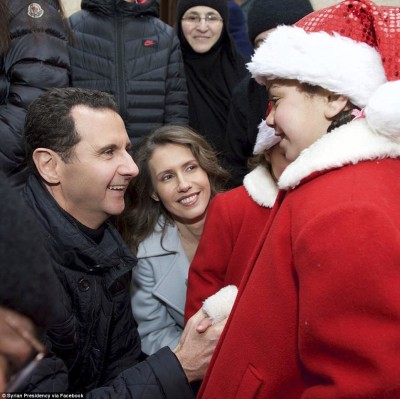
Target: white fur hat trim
{"points": [[219, 306], [383, 110], [266, 138], [336, 63]]}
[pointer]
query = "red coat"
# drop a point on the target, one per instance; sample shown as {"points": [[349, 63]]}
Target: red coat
{"points": [[318, 312], [235, 220]]}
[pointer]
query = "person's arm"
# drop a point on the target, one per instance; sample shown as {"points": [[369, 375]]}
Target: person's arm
{"points": [[176, 99], [208, 267], [167, 374], [347, 262], [34, 63], [156, 326]]}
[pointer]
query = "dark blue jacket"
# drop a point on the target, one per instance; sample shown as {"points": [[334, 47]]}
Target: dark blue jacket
{"points": [[126, 50], [94, 332]]}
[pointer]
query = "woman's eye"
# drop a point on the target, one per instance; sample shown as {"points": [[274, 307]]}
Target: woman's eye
{"points": [[166, 177], [191, 167]]}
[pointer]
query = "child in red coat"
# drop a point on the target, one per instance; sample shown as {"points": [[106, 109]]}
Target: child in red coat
{"points": [[318, 309], [234, 221]]}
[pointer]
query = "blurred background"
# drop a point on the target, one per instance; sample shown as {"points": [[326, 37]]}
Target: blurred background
{"points": [[168, 7]]}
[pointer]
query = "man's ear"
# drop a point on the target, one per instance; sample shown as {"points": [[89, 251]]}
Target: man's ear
{"points": [[155, 197], [336, 104], [46, 162]]}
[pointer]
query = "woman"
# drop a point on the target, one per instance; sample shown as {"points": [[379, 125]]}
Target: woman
{"points": [[234, 222], [213, 66], [165, 212], [33, 58], [318, 315]]}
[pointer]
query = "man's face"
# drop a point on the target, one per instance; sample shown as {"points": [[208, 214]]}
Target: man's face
{"points": [[18, 345], [93, 182]]}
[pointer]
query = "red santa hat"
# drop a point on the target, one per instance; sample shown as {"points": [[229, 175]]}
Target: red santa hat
{"points": [[352, 49]]}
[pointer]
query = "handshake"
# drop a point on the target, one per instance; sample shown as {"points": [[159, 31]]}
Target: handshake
{"points": [[202, 332]]}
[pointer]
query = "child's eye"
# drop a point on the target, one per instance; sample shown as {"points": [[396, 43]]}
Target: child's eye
{"points": [[271, 103]]}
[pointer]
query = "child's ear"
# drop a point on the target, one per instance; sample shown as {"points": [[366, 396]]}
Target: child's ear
{"points": [[155, 197], [46, 162], [336, 104]]}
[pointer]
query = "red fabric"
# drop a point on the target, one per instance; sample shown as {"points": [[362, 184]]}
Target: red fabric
{"points": [[233, 225], [318, 314], [362, 21]]}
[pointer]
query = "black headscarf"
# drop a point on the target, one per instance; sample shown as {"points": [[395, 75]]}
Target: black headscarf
{"points": [[211, 77]]}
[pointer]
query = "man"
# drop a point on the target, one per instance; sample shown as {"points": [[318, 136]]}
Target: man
{"points": [[78, 149], [27, 284]]}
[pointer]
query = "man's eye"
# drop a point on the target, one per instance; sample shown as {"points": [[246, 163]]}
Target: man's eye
{"points": [[109, 152]]}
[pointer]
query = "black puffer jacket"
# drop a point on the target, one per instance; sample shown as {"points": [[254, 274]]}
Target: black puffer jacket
{"points": [[36, 60], [95, 333], [125, 49]]}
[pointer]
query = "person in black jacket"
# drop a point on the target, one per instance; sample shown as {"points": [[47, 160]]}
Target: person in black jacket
{"points": [[249, 100], [28, 285], [123, 48], [33, 59], [78, 149]]}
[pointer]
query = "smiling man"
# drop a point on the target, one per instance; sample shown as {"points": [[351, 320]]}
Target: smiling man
{"points": [[78, 150]]}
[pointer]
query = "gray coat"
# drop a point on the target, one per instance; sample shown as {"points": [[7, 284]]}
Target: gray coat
{"points": [[159, 297]]}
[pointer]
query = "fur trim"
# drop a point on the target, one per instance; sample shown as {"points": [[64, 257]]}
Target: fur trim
{"points": [[383, 110], [266, 138], [261, 186], [336, 63], [219, 306], [348, 144]]}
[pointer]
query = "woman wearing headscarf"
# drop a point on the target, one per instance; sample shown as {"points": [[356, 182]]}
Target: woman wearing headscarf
{"points": [[213, 65]]}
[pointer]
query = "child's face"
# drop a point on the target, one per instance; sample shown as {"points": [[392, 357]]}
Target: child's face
{"points": [[298, 117]]}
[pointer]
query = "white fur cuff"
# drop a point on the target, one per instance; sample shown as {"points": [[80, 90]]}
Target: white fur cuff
{"points": [[219, 305]]}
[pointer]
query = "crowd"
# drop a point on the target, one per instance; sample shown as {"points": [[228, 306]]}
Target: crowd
{"points": [[207, 210]]}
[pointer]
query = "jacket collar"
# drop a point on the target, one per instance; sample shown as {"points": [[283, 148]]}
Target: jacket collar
{"points": [[69, 246], [261, 187], [348, 144], [157, 245]]}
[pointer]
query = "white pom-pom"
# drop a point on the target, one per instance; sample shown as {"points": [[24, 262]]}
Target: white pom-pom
{"points": [[266, 138], [383, 110], [219, 305]]}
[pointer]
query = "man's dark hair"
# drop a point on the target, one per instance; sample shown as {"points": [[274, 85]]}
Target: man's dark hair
{"points": [[49, 123], [28, 283]]}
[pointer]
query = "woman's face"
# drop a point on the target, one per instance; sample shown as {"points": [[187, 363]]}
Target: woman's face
{"points": [[180, 183], [202, 28], [298, 118]]}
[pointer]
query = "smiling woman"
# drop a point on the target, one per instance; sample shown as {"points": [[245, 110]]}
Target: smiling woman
{"points": [[166, 206], [213, 66]]}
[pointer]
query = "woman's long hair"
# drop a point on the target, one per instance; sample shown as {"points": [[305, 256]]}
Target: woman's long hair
{"points": [[142, 213]]}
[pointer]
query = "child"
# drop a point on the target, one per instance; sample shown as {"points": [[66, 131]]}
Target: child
{"points": [[318, 312], [235, 219]]}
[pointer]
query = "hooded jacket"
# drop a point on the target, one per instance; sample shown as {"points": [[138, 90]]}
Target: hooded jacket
{"points": [[126, 50], [235, 220], [94, 332], [36, 61]]}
